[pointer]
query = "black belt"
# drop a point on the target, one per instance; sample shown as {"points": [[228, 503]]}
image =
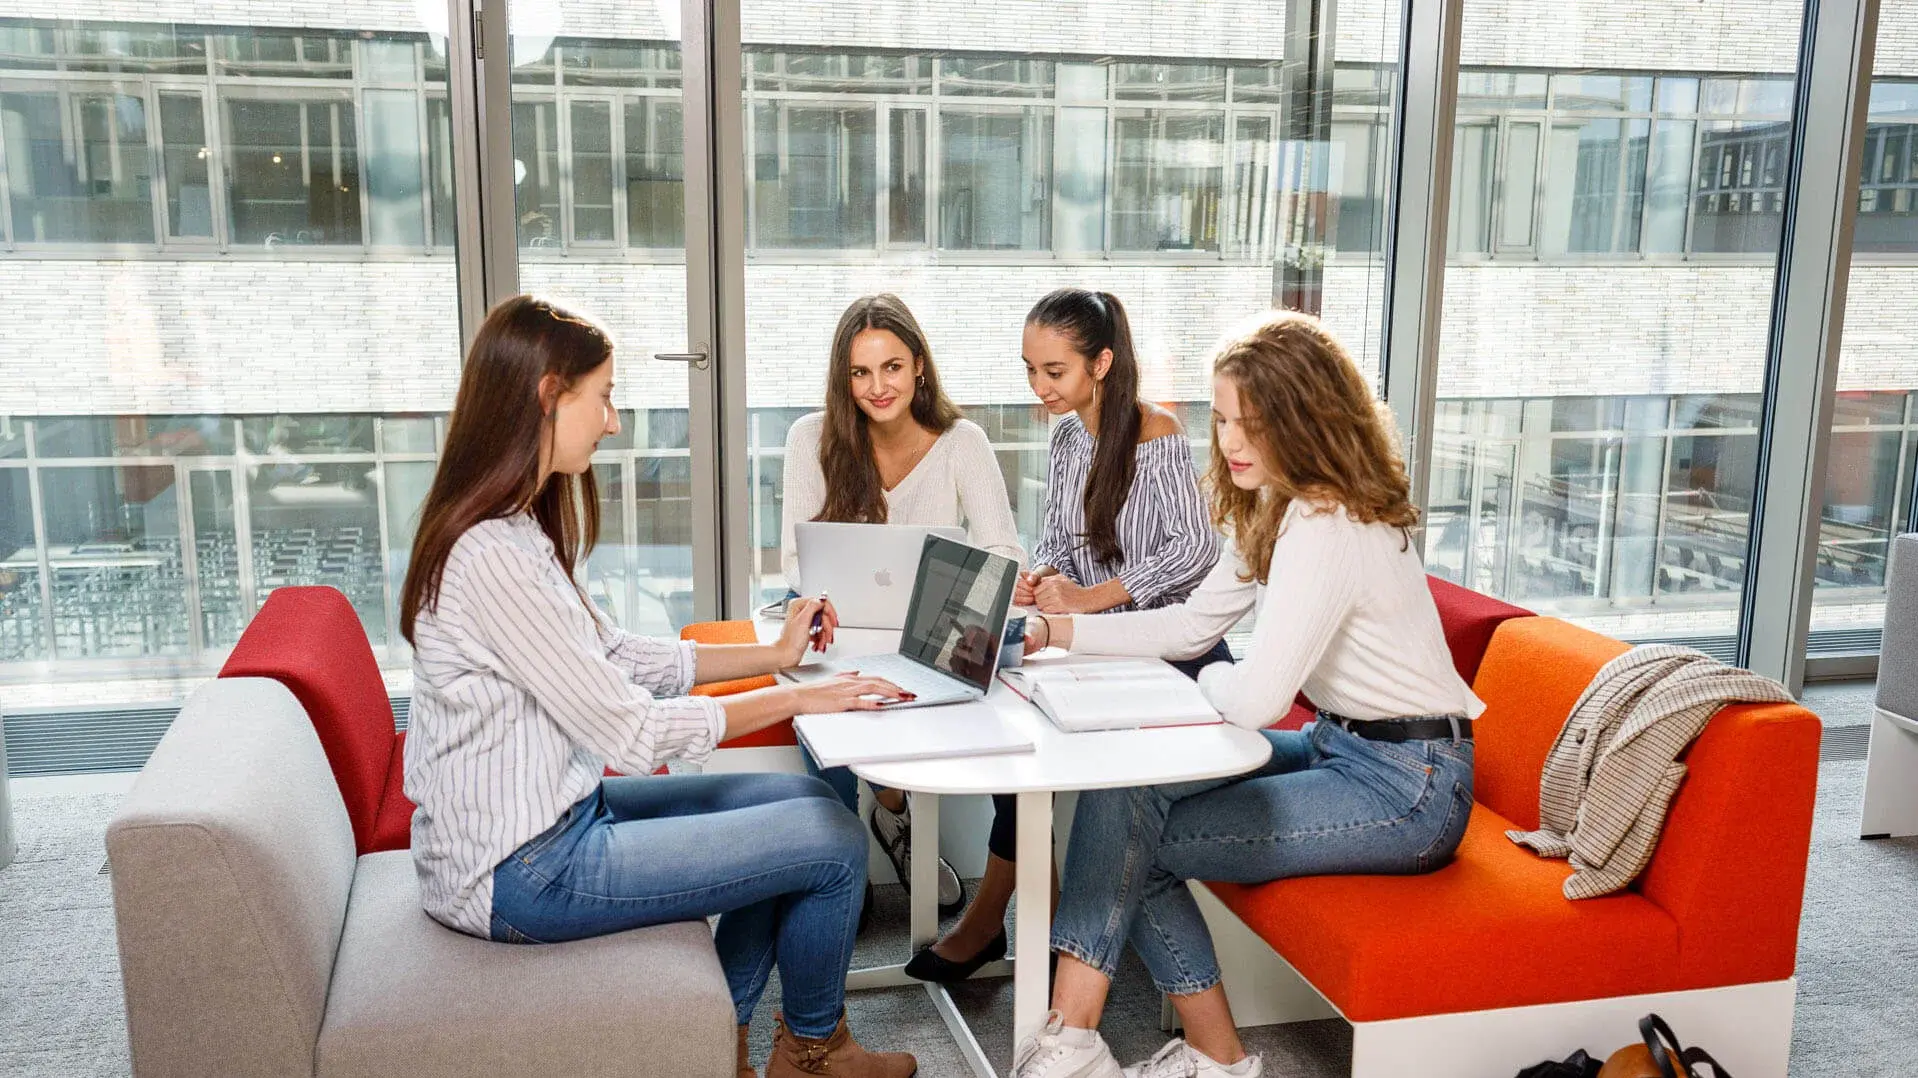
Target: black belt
{"points": [[1404, 729]]}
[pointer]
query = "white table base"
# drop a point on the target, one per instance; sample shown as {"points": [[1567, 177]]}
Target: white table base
{"points": [[1029, 966]]}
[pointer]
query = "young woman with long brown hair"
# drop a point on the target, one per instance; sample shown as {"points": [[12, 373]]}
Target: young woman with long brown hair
{"points": [[524, 692], [1125, 529], [890, 448], [1307, 480]]}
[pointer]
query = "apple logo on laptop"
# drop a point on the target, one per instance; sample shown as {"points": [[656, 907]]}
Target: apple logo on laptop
{"points": [[882, 577]]}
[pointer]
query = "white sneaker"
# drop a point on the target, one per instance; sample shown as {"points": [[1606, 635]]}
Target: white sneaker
{"points": [[894, 832], [1180, 1060], [1058, 1052]]}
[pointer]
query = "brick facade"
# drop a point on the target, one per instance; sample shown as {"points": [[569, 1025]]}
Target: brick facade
{"points": [[343, 336]]}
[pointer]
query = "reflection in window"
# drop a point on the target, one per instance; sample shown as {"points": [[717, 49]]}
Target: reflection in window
{"points": [[294, 171], [655, 173], [78, 167], [1166, 180], [536, 172], [189, 195], [1740, 201], [996, 173], [906, 178], [1595, 205], [995, 77], [113, 547], [590, 150], [23, 635], [271, 53], [814, 172], [397, 217]]}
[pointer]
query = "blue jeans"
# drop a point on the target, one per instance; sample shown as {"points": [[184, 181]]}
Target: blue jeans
{"points": [[1327, 802], [1002, 840], [774, 855]]}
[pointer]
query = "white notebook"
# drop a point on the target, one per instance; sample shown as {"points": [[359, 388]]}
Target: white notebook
{"points": [[1118, 696], [847, 738]]}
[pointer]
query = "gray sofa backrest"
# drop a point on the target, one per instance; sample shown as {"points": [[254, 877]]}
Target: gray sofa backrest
{"points": [[1898, 655], [231, 859]]}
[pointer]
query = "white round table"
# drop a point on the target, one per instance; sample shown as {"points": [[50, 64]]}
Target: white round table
{"points": [[1059, 762]]}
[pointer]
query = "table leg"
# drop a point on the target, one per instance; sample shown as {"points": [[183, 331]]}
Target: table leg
{"points": [[925, 870], [1031, 983]]}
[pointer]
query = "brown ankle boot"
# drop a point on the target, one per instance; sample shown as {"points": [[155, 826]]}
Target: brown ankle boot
{"points": [[838, 1056], [745, 1068]]}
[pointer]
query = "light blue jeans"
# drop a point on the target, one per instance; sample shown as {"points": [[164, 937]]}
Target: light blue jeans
{"points": [[1328, 802], [776, 856]]}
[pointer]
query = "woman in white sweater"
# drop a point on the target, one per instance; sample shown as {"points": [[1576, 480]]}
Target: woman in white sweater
{"points": [[1306, 479], [890, 448]]}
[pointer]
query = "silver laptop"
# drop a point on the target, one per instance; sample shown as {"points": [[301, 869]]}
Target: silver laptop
{"points": [[867, 569], [955, 623]]}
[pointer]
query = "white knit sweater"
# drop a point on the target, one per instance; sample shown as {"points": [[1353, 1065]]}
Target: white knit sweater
{"points": [[956, 484], [1346, 616]]}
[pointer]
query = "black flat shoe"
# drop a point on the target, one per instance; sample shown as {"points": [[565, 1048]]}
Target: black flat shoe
{"points": [[929, 966]]}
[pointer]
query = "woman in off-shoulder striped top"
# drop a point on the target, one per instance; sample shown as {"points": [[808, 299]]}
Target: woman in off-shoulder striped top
{"points": [[1125, 529]]}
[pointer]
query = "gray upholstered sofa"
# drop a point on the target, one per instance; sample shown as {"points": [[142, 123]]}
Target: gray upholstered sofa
{"points": [[254, 944]]}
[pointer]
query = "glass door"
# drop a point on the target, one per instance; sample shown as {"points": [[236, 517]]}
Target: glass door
{"points": [[600, 200]]}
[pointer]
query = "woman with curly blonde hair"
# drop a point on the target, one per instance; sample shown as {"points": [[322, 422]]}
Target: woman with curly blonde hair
{"points": [[1307, 481]]}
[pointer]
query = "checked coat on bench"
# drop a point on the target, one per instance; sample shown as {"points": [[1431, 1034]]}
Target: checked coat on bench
{"points": [[1615, 767]]}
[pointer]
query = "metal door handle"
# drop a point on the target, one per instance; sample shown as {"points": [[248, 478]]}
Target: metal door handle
{"points": [[697, 359]]}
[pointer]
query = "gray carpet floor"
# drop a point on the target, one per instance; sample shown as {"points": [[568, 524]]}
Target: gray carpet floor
{"points": [[61, 1012]]}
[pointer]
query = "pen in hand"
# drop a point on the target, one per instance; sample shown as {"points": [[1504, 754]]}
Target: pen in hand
{"points": [[818, 620]]}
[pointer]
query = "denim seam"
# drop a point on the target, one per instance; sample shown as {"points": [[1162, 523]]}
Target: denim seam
{"points": [[1418, 806], [1425, 856], [578, 893], [1071, 949], [1187, 984]]}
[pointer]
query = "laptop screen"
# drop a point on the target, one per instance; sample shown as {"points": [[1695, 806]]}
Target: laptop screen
{"points": [[958, 613]]}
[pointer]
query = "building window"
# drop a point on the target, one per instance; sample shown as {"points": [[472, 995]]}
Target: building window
{"points": [[814, 172], [293, 173], [79, 167], [1167, 178], [995, 179]]}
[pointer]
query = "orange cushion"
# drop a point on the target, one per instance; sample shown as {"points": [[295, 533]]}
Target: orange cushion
{"points": [[1491, 929], [1533, 672], [1730, 865], [738, 632]]}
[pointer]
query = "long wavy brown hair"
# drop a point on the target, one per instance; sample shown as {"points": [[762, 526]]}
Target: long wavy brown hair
{"points": [[490, 466], [1319, 430], [854, 493]]}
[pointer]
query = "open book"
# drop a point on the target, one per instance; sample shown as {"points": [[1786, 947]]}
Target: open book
{"points": [[1113, 695]]}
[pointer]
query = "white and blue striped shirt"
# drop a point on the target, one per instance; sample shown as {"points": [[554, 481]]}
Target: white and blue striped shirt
{"points": [[521, 698], [1166, 540]]}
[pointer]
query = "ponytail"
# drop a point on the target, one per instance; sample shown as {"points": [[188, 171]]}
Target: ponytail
{"points": [[1095, 322]]}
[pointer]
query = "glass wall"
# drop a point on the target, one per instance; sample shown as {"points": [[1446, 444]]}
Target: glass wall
{"points": [[1615, 224], [1873, 456], [598, 147], [1188, 169], [238, 239]]}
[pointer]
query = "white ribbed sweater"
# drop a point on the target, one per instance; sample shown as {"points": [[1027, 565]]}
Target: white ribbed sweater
{"points": [[1346, 616], [956, 484]]}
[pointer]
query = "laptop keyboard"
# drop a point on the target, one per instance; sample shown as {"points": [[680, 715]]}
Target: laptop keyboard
{"points": [[907, 674]]}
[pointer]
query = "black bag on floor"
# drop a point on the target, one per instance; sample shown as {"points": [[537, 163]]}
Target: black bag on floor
{"points": [[1576, 1065]]}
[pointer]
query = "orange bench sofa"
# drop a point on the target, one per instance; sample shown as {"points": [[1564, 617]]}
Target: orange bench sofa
{"points": [[1484, 967]]}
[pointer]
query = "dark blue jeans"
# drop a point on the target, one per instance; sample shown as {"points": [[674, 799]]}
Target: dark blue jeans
{"points": [[1327, 802], [776, 856]]}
